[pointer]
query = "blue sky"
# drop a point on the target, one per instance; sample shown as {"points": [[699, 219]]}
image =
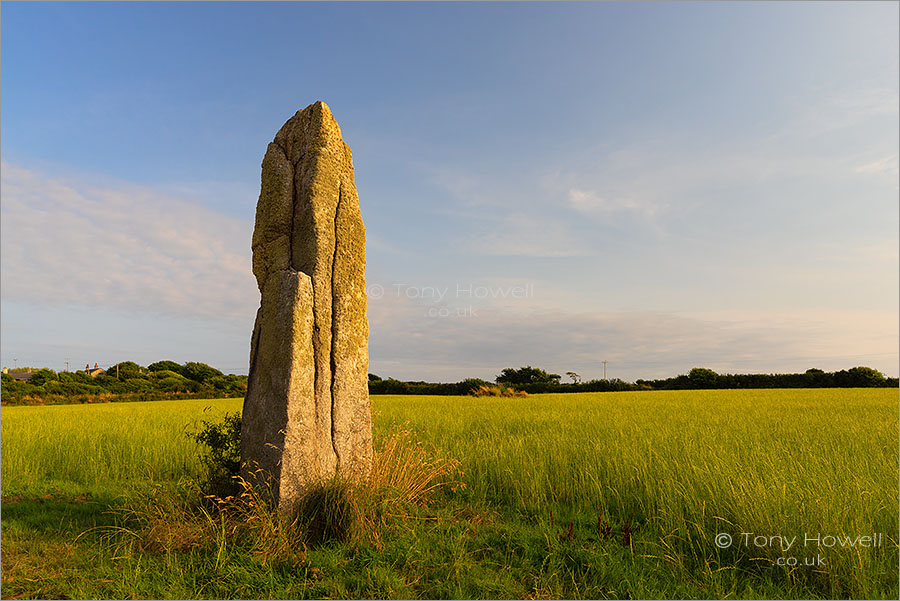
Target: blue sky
{"points": [[657, 185]]}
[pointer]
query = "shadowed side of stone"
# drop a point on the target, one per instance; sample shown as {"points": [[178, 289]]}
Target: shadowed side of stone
{"points": [[306, 413]]}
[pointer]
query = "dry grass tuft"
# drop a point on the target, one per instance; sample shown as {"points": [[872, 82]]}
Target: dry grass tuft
{"points": [[249, 517], [404, 472], [498, 390]]}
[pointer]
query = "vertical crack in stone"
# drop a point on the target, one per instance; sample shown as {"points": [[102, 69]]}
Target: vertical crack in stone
{"points": [[334, 323], [254, 354]]}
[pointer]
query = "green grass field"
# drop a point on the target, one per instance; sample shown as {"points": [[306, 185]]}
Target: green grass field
{"points": [[594, 495]]}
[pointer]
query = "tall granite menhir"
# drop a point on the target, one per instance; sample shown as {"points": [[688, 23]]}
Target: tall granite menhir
{"points": [[306, 415]]}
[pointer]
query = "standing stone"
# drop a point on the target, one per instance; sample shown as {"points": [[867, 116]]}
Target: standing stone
{"points": [[306, 415]]}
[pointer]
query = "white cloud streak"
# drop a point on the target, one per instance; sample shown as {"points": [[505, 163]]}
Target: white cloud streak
{"points": [[522, 235], [121, 246], [589, 201], [888, 165]]}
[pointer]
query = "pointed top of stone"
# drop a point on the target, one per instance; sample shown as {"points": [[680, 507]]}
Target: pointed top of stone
{"points": [[314, 129], [319, 110], [320, 105]]}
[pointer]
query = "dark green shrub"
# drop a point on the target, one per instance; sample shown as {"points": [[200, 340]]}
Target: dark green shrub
{"points": [[173, 385], [228, 384], [74, 376], [469, 385], [137, 385], [222, 453]]}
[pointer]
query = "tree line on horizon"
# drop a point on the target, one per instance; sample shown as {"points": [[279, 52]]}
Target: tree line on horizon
{"points": [[124, 381], [535, 381], [171, 380]]}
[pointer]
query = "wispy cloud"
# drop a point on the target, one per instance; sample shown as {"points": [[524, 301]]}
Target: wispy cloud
{"points": [[887, 165], [504, 218], [521, 235], [637, 184], [464, 187], [834, 113], [121, 246], [675, 172], [852, 106], [589, 201]]}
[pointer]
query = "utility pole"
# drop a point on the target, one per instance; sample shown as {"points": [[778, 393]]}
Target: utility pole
{"points": [[117, 371], [604, 369], [67, 364]]}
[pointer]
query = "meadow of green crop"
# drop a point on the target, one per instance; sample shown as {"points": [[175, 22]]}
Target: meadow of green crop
{"points": [[576, 495]]}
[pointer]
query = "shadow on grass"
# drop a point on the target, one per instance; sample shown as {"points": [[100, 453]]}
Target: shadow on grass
{"points": [[42, 556], [58, 514]]}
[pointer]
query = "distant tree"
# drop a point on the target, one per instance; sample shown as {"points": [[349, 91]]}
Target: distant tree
{"points": [[200, 372], [75, 376], [42, 376], [389, 386], [857, 377], [817, 378], [700, 377], [166, 366], [526, 375], [575, 377], [127, 369], [867, 376], [374, 378]]}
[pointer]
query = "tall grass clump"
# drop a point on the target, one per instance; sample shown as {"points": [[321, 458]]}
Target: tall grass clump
{"points": [[405, 472], [403, 477], [242, 518]]}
